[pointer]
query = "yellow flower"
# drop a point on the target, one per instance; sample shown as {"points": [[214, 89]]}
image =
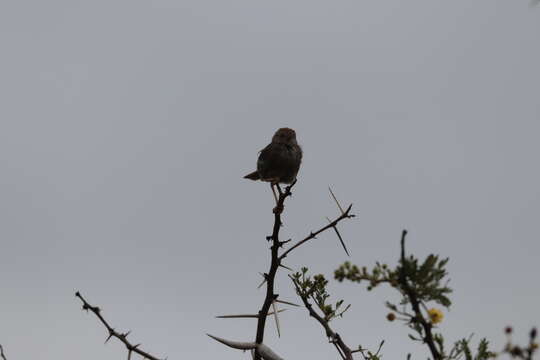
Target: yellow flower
{"points": [[435, 315]]}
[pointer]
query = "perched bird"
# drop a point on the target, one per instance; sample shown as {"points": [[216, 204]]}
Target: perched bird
{"points": [[280, 160]]}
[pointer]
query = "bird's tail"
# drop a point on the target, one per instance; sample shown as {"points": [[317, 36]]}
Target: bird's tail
{"points": [[253, 176]]}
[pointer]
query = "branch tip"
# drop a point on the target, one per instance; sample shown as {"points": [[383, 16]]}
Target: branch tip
{"points": [[112, 332]]}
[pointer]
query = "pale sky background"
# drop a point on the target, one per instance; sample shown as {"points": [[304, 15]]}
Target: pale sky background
{"points": [[126, 128]]}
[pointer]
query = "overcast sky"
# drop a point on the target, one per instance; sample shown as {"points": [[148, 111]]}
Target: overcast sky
{"points": [[126, 128]]}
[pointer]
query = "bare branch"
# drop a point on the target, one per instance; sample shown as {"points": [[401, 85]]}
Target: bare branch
{"points": [[113, 333], [346, 215]]}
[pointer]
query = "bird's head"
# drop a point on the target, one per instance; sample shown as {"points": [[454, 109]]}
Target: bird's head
{"points": [[284, 136]]}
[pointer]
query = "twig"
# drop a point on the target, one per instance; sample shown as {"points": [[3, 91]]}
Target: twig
{"points": [[370, 355], [2, 353], [346, 215], [113, 333], [334, 337], [415, 303]]}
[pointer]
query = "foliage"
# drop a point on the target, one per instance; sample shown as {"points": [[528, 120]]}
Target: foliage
{"points": [[314, 288], [420, 283], [425, 279]]}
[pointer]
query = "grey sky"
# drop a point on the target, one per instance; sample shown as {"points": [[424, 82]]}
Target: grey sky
{"points": [[126, 128]]}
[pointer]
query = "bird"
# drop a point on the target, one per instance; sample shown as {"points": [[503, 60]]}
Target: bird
{"points": [[279, 161]]}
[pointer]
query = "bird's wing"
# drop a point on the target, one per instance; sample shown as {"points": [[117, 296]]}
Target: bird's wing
{"points": [[269, 159]]}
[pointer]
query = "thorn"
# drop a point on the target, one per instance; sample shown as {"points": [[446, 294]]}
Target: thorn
{"points": [[281, 243], [337, 202], [240, 316], [246, 316], [265, 276], [276, 318], [261, 284], [279, 190], [288, 303], [340, 238], [235, 344], [286, 267]]}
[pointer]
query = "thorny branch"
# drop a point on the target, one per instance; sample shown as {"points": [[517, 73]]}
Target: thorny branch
{"points": [[345, 352], [113, 333], [345, 215], [274, 264], [277, 259], [415, 303], [271, 298]]}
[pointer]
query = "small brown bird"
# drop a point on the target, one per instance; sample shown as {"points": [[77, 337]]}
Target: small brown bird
{"points": [[279, 162]]}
